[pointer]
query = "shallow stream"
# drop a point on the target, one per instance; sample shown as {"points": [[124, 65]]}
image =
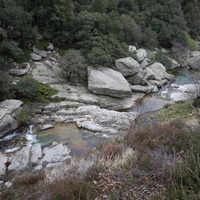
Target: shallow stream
{"points": [[80, 141]]}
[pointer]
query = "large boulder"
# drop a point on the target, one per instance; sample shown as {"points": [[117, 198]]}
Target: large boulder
{"points": [[137, 79], [193, 60], [141, 54], [145, 63], [127, 66], [21, 159], [54, 154], [107, 81], [8, 110], [159, 72]]}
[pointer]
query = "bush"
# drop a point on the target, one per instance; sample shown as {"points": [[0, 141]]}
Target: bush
{"points": [[103, 50], [74, 67], [27, 88], [44, 92], [72, 189], [172, 137], [30, 89], [7, 89], [22, 116], [186, 178], [192, 45], [111, 151]]}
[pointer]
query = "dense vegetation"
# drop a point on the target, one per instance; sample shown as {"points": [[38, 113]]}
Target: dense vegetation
{"points": [[99, 28]]}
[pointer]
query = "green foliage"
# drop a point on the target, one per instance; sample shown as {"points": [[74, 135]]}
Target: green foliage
{"points": [[74, 67], [22, 116], [179, 110], [103, 50], [69, 23], [44, 92], [41, 44], [172, 137], [193, 46], [31, 89], [27, 88], [150, 38], [6, 87]]}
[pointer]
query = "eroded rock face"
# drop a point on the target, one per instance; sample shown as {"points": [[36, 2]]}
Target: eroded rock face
{"points": [[96, 119], [80, 96], [8, 109], [3, 160], [30, 156], [127, 66], [107, 81], [47, 72], [21, 159], [55, 154], [193, 60]]}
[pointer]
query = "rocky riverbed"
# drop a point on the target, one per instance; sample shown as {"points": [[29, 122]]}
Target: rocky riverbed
{"points": [[97, 110]]}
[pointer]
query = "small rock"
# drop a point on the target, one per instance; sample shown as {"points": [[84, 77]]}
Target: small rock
{"points": [[35, 57], [8, 184], [38, 167], [46, 126], [50, 47], [132, 48]]}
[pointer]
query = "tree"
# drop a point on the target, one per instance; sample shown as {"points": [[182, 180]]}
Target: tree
{"points": [[74, 67]]}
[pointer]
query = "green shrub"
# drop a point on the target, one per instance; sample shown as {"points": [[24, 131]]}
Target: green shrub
{"points": [[44, 92], [27, 88], [6, 87], [74, 67], [172, 137], [30, 89], [23, 116], [41, 44], [192, 45]]}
